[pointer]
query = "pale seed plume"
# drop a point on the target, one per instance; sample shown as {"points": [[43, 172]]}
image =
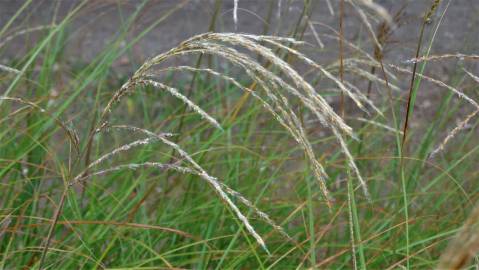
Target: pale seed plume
{"points": [[273, 91]]}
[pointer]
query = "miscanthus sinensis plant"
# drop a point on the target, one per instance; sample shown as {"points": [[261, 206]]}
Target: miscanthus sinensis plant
{"points": [[279, 88], [274, 93]]}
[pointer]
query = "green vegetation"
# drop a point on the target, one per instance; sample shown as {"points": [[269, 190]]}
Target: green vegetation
{"points": [[235, 160]]}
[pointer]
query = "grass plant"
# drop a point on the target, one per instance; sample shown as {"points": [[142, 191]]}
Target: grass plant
{"points": [[233, 150]]}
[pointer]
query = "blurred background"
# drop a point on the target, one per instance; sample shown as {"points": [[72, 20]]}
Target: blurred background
{"points": [[99, 22]]}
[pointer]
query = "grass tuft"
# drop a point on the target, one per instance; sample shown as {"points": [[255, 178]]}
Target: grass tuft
{"points": [[311, 144]]}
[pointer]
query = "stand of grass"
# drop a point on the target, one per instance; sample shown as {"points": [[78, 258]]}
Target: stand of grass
{"points": [[138, 214]]}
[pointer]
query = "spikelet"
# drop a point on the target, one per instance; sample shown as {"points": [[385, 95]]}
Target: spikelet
{"points": [[459, 56], [441, 84], [432, 9], [386, 127], [113, 153], [9, 69], [258, 212], [133, 166], [453, 133], [323, 70], [459, 127], [173, 91]]}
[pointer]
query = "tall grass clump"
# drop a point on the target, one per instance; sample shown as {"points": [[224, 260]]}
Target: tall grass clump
{"points": [[272, 99], [274, 93], [331, 138]]}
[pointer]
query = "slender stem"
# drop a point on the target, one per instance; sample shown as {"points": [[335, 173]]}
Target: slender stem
{"points": [[413, 88], [351, 224], [409, 108], [341, 52], [412, 92], [56, 216]]}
